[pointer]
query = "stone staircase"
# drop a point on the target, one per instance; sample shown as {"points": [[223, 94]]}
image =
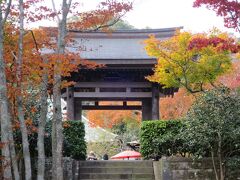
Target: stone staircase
{"points": [[114, 170]]}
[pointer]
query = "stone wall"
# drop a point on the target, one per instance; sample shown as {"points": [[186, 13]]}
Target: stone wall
{"points": [[180, 168], [171, 168], [68, 168], [99, 169]]}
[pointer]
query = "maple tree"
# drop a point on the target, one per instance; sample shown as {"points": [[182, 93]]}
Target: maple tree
{"points": [[8, 151], [96, 19], [25, 68], [177, 106], [228, 9], [191, 61], [28, 77]]}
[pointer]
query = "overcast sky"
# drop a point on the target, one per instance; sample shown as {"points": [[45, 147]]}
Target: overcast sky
{"points": [[168, 13], [172, 13]]}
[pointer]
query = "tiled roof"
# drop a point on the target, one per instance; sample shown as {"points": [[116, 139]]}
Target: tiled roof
{"points": [[122, 44]]}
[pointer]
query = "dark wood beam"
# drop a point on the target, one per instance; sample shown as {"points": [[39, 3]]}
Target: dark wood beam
{"points": [[112, 107]]}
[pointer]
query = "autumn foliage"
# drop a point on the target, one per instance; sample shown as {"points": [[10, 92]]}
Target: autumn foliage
{"points": [[232, 79], [37, 62], [192, 61], [107, 13], [110, 118], [220, 43], [34, 66], [228, 9], [177, 106]]}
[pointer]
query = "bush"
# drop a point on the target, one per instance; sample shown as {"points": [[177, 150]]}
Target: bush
{"points": [[74, 143], [212, 127], [159, 138], [232, 167]]}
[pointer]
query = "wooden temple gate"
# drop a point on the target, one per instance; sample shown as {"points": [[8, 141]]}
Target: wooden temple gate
{"points": [[123, 76]]}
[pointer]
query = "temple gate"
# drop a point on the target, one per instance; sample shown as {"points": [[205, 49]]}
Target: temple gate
{"points": [[123, 76]]}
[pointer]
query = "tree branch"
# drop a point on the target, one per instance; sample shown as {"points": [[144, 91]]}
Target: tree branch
{"points": [[55, 10], [7, 11]]}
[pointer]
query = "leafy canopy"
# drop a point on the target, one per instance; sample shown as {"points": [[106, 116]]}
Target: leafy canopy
{"points": [[212, 128], [228, 9], [191, 61], [214, 118]]}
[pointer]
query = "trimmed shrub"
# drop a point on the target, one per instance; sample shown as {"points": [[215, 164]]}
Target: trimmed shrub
{"points": [[74, 143], [159, 138]]}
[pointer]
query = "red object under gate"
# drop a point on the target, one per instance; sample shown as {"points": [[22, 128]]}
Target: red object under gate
{"points": [[127, 154]]}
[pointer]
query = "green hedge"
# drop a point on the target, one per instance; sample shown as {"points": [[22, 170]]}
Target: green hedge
{"points": [[159, 138], [74, 143]]}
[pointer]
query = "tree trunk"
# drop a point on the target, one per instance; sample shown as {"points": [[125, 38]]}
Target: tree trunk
{"points": [[57, 117], [214, 165], [220, 156], [4, 115], [14, 158], [57, 138], [25, 143], [58, 130], [41, 126], [54, 144]]}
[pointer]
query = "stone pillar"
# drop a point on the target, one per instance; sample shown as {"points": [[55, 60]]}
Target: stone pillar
{"points": [[157, 169], [147, 109], [78, 110], [155, 101], [70, 103]]}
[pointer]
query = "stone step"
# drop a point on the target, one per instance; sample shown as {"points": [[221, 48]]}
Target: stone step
{"points": [[117, 163], [127, 179], [114, 170], [117, 176], [132, 170]]}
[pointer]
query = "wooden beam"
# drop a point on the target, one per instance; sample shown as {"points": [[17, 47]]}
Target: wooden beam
{"points": [[112, 107], [109, 99], [114, 84], [89, 97], [113, 94], [126, 62]]}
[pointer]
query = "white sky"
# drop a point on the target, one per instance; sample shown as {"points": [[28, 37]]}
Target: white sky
{"points": [[172, 13], [168, 13]]}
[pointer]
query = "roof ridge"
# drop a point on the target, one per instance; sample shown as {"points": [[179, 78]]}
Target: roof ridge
{"points": [[154, 30], [133, 30]]}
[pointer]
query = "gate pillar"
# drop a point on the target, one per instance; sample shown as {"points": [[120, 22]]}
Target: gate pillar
{"points": [[155, 101], [147, 109], [70, 103], [78, 110]]}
